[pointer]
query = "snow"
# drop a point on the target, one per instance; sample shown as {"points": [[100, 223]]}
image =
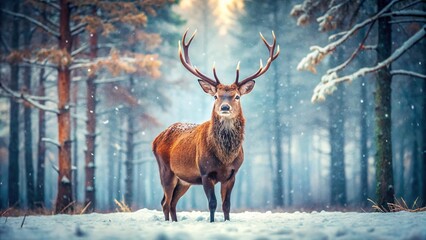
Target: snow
{"points": [[183, 127], [149, 224], [65, 179]]}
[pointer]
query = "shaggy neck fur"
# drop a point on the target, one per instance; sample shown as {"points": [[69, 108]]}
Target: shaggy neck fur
{"points": [[227, 136]]}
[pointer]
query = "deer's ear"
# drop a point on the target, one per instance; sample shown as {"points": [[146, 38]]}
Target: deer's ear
{"points": [[207, 87], [246, 87]]}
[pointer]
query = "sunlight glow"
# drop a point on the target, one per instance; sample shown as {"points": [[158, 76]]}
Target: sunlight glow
{"points": [[225, 17], [224, 11]]}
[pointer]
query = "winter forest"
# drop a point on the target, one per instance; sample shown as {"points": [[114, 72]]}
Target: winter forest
{"points": [[338, 122]]}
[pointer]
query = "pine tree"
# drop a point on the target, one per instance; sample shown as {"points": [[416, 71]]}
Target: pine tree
{"points": [[72, 22], [331, 16]]}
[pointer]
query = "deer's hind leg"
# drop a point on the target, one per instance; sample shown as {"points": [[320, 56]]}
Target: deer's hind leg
{"points": [[178, 192], [169, 182]]}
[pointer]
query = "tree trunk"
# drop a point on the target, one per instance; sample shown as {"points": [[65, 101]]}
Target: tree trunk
{"points": [[28, 141], [337, 154], [423, 134], [384, 174], [415, 184], [121, 158], [90, 197], [336, 110], [41, 147], [423, 196], [401, 170], [128, 194], [289, 171], [14, 121], [277, 142], [64, 199], [423, 156], [363, 145], [75, 89], [277, 128], [112, 156], [75, 159]]}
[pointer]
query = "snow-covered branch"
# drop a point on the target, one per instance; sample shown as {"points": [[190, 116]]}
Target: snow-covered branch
{"points": [[28, 62], [32, 20], [148, 160], [408, 20], [111, 80], [354, 54], [27, 98], [369, 47], [52, 23], [78, 29], [328, 81], [51, 4], [334, 36], [86, 63], [408, 73], [52, 141], [54, 166], [80, 49], [110, 45], [318, 53], [406, 13]]}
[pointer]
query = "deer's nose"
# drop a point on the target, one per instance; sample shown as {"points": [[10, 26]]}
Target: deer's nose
{"points": [[225, 107]]}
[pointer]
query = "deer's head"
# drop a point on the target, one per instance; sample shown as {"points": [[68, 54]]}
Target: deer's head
{"points": [[227, 97]]}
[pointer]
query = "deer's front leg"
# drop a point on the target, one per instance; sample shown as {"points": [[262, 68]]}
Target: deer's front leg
{"points": [[225, 190], [208, 184]]}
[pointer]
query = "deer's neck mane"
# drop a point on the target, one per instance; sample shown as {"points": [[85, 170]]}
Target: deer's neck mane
{"points": [[227, 136]]}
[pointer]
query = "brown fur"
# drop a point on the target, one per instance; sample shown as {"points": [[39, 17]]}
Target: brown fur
{"points": [[202, 154], [211, 152]]}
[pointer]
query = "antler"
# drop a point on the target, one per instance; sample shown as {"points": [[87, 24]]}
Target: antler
{"points": [[187, 62], [262, 70]]}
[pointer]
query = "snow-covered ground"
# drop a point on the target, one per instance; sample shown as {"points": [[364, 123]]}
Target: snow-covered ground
{"points": [[149, 224]]}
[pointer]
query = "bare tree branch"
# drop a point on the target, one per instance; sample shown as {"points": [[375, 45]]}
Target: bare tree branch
{"points": [[411, 4], [5, 45], [27, 98], [32, 20], [408, 73]]}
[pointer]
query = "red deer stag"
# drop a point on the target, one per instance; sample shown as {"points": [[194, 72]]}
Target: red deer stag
{"points": [[210, 152]]}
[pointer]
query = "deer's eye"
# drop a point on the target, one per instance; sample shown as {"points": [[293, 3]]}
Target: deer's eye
{"points": [[215, 97], [237, 97]]}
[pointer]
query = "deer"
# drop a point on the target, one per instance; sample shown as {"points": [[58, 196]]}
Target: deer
{"points": [[211, 152]]}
